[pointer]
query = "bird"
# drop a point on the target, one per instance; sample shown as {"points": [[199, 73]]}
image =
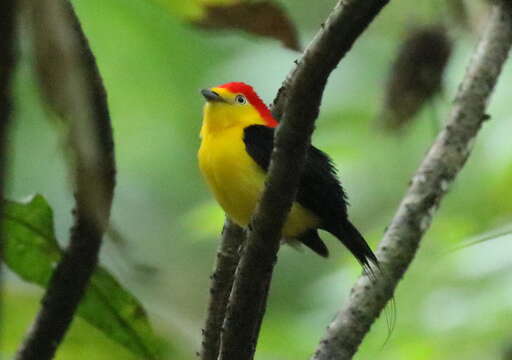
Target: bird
{"points": [[237, 136]]}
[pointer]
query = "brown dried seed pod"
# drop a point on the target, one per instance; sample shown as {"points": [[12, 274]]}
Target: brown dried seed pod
{"points": [[264, 18], [416, 74]]}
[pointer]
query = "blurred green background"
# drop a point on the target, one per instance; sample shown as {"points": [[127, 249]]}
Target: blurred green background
{"points": [[451, 304]]}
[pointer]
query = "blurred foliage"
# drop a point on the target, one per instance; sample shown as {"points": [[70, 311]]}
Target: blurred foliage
{"points": [[416, 75], [32, 252], [459, 13], [20, 308], [449, 305], [263, 18]]}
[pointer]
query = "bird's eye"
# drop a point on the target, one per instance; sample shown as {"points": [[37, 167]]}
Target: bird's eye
{"points": [[240, 99]]}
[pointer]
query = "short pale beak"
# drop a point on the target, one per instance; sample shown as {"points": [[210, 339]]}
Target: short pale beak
{"points": [[211, 96]]}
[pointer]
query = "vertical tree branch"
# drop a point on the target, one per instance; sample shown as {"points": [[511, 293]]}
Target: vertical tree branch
{"points": [[299, 102], [7, 63], [72, 84], [228, 256], [438, 170]]}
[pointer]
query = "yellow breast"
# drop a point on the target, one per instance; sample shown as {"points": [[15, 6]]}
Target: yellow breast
{"points": [[237, 181], [234, 178]]}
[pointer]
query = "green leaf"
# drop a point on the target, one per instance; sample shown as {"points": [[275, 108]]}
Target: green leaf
{"points": [[32, 251]]}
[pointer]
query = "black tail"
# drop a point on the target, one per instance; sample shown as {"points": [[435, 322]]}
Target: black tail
{"points": [[312, 240], [354, 241]]}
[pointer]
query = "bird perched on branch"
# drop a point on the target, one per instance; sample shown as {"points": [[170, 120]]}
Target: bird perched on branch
{"points": [[237, 137]]}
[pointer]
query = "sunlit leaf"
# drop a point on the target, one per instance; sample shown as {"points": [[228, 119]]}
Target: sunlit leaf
{"points": [[262, 18], [32, 251]]}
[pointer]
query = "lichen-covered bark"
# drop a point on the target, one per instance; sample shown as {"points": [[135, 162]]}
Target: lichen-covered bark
{"points": [[428, 186]]}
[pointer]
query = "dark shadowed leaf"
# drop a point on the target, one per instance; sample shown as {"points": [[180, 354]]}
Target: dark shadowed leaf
{"points": [[32, 251], [263, 18], [416, 75]]}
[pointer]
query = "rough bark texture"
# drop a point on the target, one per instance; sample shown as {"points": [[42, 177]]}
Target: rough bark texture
{"points": [[228, 256], [7, 63], [66, 62], [297, 105], [430, 183]]}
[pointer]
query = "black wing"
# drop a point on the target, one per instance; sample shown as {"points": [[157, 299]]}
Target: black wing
{"points": [[319, 191]]}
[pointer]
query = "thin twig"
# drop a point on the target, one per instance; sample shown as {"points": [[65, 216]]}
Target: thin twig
{"points": [[477, 240], [228, 256], [78, 95], [298, 105], [7, 63], [430, 183]]}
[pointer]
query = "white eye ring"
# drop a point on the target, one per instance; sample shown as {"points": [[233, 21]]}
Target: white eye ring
{"points": [[240, 99]]}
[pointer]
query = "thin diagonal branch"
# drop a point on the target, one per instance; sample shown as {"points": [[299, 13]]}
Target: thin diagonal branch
{"points": [[7, 63], [228, 256], [72, 85], [438, 170], [299, 104], [345, 24]]}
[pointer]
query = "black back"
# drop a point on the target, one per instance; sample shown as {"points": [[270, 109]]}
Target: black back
{"points": [[319, 189]]}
